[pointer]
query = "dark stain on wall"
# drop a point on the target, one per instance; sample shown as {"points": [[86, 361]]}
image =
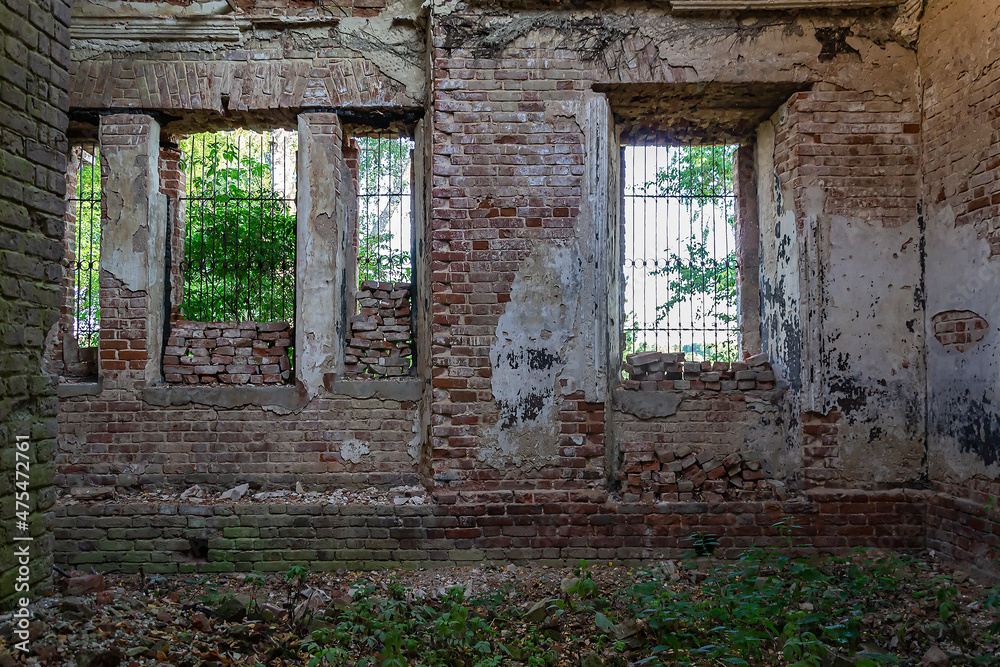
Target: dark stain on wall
{"points": [[528, 407], [834, 42], [975, 424], [533, 359]]}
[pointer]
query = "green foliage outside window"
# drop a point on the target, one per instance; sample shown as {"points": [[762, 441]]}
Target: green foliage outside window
{"points": [[383, 201], [85, 207], [239, 252], [701, 179]]}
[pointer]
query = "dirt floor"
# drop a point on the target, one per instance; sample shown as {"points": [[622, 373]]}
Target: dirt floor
{"points": [[926, 613]]}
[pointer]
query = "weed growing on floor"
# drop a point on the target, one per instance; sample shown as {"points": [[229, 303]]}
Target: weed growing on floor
{"points": [[770, 607]]}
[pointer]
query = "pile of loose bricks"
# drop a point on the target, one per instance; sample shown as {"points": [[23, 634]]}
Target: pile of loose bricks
{"points": [[254, 353], [685, 475], [380, 342], [669, 370]]}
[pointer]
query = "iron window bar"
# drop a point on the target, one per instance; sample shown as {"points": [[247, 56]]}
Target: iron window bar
{"points": [[85, 207], [384, 218], [680, 260], [239, 249]]}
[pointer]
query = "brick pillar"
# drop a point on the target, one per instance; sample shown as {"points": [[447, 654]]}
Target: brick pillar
{"points": [[133, 246], [172, 184], [747, 250], [327, 265]]}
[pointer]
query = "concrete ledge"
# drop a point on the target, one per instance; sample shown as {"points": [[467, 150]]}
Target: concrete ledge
{"points": [[287, 397], [71, 389], [407, 389], [646, 404]]}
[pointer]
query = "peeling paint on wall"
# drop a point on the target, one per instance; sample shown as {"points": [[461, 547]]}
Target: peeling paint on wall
{"points": [[781, 336], [529, 356]]}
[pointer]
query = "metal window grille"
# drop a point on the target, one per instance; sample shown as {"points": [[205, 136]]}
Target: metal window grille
{"points": [[85, 208], [239, 217], [384, 220], [680, 251]]}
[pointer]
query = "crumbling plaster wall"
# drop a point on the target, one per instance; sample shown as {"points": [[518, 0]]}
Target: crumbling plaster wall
{"points": [[522, 352], [959, 53], [522, 77], [260, 64]]}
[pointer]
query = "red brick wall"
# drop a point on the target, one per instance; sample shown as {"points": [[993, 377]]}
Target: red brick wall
{"points": [[542, 526], [507, 178], [172, 184], [115, 438], [380, 341], [53, 361], [963, 523]]}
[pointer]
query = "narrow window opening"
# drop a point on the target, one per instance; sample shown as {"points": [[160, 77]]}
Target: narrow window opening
{"points": [[680, 264], [73, 352], [236, 298], [381, 334]]}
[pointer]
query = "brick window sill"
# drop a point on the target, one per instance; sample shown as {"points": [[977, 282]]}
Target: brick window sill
{"points": [[397, 389], [288, 397]]}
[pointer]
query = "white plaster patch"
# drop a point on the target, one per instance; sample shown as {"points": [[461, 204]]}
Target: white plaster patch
{"points": [[354, 450], [533, 337]]}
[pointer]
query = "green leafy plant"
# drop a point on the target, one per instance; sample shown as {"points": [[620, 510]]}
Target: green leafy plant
{"points": [[239, 250], [383, 188], [85, 209]]}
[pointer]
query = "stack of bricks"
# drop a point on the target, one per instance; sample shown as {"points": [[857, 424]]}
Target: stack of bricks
{"points": [[680, 474], [669, 370], [380, 342], [238, 353]]}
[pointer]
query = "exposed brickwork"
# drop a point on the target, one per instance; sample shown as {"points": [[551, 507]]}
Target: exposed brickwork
{"points": [[115, 438], [961, 123], [963, 529], [959, 329], [679, 474], [820, 452], [237, 353], [863, 147], [713, 426], [560, 526], [508, 167], [54, 361], [33, 123], [581, 440], [507, 179], [380, 343], [649, 371]]}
